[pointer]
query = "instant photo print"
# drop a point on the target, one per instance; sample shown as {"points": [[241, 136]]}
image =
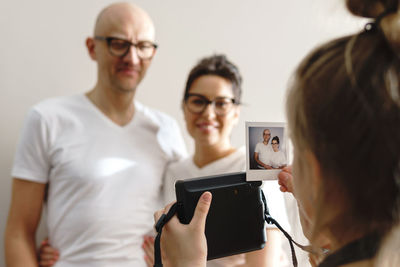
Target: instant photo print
{"points": [[235, 222], [266, 150]]}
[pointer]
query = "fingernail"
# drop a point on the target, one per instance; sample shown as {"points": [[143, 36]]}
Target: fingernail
{"points": [[207, 197]]}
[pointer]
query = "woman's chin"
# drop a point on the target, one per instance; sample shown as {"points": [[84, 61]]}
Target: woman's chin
{"points": [[208, 140]]}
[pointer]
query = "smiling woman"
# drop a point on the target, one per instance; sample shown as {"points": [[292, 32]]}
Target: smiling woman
{"points": [[211, 107]]}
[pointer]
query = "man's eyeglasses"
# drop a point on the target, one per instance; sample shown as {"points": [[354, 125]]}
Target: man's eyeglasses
{"points": [[197, 103], [120, 47]]}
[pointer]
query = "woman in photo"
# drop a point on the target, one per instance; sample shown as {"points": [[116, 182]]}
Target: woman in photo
{"points": [[277, 159]]}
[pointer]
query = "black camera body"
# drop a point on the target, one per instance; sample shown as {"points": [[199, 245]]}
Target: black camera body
{"points": [[235, 222]]}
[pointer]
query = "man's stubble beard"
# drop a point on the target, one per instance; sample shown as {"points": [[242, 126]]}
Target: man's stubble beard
{"points": [[121, 88]]}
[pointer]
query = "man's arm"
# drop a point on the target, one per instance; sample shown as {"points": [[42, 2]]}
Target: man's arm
{"points": [[23, 219], [259, 162]]}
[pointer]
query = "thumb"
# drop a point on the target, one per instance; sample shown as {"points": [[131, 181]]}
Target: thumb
{"points": [[201, 211]]}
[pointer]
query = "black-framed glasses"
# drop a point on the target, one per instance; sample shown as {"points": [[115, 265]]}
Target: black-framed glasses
{"points": [[197, 103], [119, 47], [274, 144]]}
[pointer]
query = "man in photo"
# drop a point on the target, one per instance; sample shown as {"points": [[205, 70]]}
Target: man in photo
{"points": [[263, 151]]}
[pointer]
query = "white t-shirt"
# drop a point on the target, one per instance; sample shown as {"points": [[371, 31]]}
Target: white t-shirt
{"points": [[104, 179], [264, 152], [235, 162], [276, 159]]}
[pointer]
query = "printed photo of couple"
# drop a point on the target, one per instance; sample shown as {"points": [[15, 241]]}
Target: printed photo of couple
{"points": [[266, 150]]}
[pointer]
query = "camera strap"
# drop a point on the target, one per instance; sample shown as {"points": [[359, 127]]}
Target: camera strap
{"points": [[267, 217], [159, 225]]}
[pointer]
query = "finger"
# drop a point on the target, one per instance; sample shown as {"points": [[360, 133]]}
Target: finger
{"points": [[148, 247], [46, 263], [282, 178], [150, 243], [160, 212], [288, 169], [201, 211], [44, 242], [49, 249], [157, 215], [149, 262], [48, 253], [46, 256], [285, 179], [283, 189]]}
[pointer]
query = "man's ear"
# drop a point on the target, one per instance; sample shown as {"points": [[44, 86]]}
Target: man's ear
{"points": [[314, 172], [90, 45]]}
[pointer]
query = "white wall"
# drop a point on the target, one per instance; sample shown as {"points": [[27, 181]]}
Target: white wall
{"points": [[42, 55]]}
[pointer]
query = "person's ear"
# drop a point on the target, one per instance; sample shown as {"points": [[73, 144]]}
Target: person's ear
{"points": [[90, 45], [314, 173], [236, 115]]}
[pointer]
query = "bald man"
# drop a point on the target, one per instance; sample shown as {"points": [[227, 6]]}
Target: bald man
{"points": [[102, 155]]}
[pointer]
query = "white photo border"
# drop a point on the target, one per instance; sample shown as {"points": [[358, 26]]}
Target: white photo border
{"points": [[260, 174]]}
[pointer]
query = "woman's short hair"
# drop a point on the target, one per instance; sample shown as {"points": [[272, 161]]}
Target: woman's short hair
{"points": [[217, 65], [344, 106]]}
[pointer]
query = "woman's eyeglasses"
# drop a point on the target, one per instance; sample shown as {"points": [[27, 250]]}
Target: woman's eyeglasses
{"points": [[197, 104]]}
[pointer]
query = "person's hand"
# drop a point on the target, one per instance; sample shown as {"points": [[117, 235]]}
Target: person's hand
{"points": [[267, 167], [148, 248], [285, 180], [314, 260], [47, 254], [186, 245]]}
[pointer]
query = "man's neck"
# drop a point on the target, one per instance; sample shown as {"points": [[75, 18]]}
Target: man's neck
{"points": [[117, 106]]}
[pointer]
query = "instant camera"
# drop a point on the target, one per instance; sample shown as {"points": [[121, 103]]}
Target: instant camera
{"points": [[235, 222]]}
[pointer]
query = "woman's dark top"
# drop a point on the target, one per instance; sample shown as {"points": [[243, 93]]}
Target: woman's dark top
{"points": [[361, 249]]}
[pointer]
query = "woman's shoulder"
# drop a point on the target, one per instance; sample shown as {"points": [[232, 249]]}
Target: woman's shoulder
{"points": [[179, 167]]}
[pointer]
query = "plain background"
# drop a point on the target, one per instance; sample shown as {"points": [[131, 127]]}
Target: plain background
{"points": [[43, 55]]}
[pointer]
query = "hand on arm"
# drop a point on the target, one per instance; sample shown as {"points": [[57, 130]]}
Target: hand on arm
{"points": [[282, 166], [47, 254], [186, 245], [148, 248], [23, 219], [259, 162]]}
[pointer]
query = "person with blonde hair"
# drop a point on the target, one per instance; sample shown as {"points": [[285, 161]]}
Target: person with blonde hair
{"points": [[343, 110]]}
